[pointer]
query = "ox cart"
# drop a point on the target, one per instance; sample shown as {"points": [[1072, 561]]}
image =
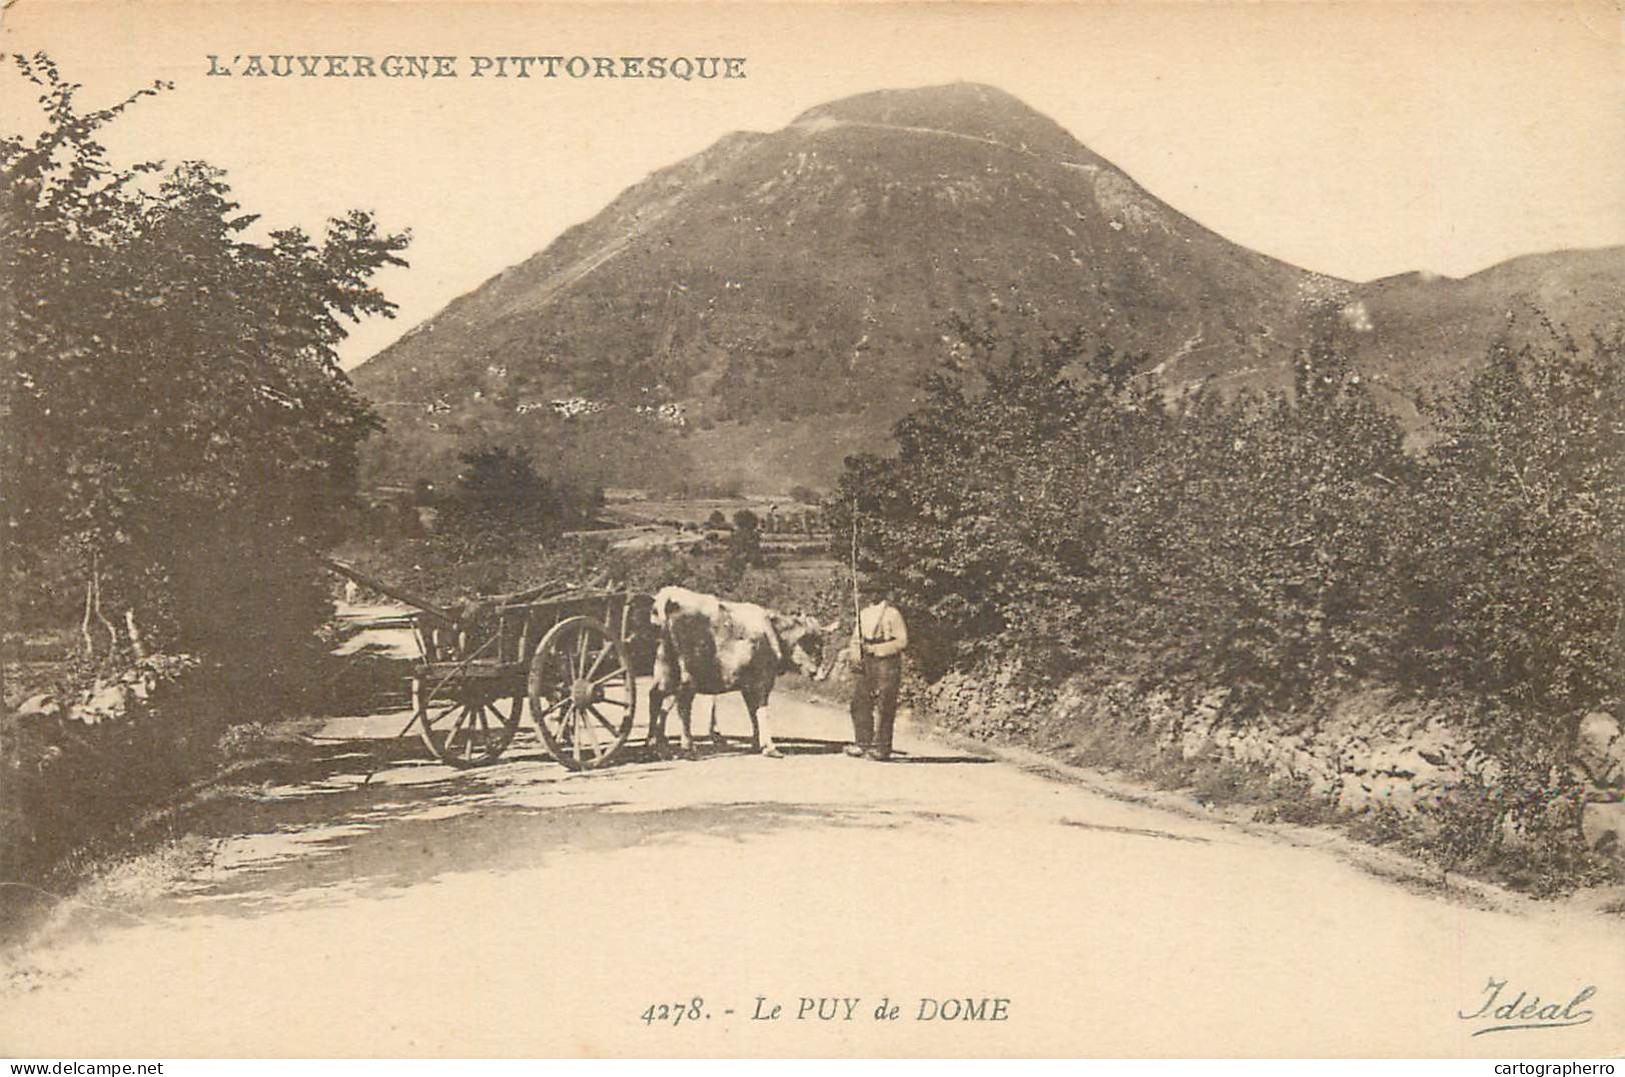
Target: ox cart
{"points": [[572, 653]]}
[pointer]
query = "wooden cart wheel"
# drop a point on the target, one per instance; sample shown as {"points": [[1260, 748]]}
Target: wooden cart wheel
{"points": [[468, 728], [583, 694]]}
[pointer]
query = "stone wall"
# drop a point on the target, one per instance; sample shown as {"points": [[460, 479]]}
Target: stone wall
{"points": [[1372, 752]]}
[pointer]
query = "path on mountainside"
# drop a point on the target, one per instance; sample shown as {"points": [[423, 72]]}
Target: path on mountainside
{"points": [[526, 910]]}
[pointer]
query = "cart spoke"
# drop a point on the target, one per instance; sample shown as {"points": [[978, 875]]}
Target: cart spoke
{"points": [[610, 676], [596, 662], [451, 734], [605, 722], [550, 710], [597, 745], [579, 664], [447, 709]]}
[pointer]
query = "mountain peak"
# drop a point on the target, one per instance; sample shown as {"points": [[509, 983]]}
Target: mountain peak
{"points": [[967, 109], [760, 310]]}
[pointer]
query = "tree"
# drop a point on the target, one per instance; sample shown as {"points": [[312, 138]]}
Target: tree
{"points": [[1516, 570], [497, 479], [500, 499], [988, 519], [1283, 545], [175, 413]]}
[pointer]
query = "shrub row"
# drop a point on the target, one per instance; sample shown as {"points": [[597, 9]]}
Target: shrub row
{"points": [[1051, 504]]}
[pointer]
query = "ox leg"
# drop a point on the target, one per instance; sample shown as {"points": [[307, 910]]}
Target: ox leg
{"points": [[685, 712], [666, 671], [716, 739], [761, 735], [657, 722]]}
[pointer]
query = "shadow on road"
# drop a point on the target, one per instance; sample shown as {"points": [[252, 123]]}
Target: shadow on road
{"points": [[901, 758], [330, 820], [319, 833], [790, 746], [1137, 831]]}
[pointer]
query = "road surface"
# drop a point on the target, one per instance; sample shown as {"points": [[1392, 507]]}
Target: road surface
{"points": [[525, 910]]}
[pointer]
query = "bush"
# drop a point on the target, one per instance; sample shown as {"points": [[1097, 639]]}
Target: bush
{"points": [[1047, 506], [1515, 542], [72, 782], [1284, 545]]}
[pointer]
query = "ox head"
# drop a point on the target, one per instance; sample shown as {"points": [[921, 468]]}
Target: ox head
{"points": [[802, 641]]}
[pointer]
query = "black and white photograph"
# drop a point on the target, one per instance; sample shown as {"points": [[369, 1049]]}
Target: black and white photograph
{"points": [[812, 530]]}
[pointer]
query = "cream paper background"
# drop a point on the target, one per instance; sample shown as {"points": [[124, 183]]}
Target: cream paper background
{"points": [[1358, 139]]}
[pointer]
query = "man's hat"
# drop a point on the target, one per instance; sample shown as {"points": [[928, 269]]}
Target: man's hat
{"points": [[873, 585]]}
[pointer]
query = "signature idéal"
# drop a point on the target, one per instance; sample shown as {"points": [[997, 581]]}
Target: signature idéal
{"points": [[1523, 1011]]}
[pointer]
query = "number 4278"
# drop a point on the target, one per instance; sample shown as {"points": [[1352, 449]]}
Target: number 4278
{"points": [[675, 1012]]}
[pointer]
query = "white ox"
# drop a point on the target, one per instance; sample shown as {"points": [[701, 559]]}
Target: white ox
{"points": [[711, 647]]}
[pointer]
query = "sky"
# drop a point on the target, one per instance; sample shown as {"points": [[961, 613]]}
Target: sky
{"points": [[1357, 139]]}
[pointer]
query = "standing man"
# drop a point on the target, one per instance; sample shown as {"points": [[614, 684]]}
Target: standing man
{"points": [[878, 641]]}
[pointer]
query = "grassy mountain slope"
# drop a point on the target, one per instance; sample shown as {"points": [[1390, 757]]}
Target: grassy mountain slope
{"points": [[763, 308]]}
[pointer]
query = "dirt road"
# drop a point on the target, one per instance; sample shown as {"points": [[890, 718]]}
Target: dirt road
{"points": [[524, 910]]}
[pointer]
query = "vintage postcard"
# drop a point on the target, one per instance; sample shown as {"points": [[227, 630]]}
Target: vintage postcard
{"points": [[769, 529]]}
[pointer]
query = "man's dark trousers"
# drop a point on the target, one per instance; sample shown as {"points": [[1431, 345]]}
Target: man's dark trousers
{"points": [[874, 701]]}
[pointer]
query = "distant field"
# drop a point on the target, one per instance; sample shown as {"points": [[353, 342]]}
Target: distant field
{"points": [[679, 522], [786, 513], [683, 511], [807, 568]]}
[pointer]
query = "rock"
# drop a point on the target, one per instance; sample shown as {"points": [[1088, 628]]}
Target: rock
{"points": [[1437, 746], [1354, 797], [1354, 754], [1394, 792], [1324, 785], [1513, 836], [1601, 749], [44, 705], [1193, 742], [1248, 748], [1211, 706], [1392, 760], [1603, 825], [1321, 773], [107, 703], [1161, 716], [1485, 767], [1438, 773]]}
